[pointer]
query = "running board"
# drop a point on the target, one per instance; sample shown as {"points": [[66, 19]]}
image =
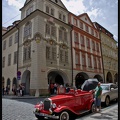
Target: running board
{"points": [[83, 111]]}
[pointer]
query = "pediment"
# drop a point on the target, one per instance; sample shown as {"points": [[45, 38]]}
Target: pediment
{"points": [[84, 17]]}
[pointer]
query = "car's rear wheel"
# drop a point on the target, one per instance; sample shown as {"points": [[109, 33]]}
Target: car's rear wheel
{"points": [[107, 101], [64, 115]]}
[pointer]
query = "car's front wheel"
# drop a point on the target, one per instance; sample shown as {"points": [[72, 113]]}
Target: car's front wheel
{"points": [[64, 115], [92, 109], [107, 101], [39, 117]]}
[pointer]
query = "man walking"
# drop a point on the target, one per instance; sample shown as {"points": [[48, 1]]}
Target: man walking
{"points": [[98, 92]]}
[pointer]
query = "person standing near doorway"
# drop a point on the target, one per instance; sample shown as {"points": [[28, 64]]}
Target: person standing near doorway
{"points": [[98, 92]]}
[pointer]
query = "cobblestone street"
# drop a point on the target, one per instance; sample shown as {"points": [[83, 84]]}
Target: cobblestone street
{"points": [[22, 109]]}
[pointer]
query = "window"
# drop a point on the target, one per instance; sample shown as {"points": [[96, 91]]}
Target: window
{"points": [[4, 45], [3, 62], [29, 10], [62, 35], [87, 29], [77, 58], [47, 9], [92, 31], [53, 53], [89, 61], [61, 55], [27, 53], [83, 60], [61, 16], [93, 45], [10, 41], [15, 57], [75, 21], [9, 59], [88, 42], [66, 56], [96, 34], [52, 12], [81, 25], [51, 30], [28, 29], [64, 18], [47, 52], [16, 37], [82, 40], [97, 46], [76, 37], [95, 63]]}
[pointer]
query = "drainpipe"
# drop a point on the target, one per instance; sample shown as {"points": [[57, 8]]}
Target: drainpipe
{"points": [[102, 56], [71, 52], [17, 50]]}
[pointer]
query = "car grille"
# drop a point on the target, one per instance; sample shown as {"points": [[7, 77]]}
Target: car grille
{"points": [[47, 104]]}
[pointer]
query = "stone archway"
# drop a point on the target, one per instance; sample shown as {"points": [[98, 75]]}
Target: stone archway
{"points": [[15, 81], [25, 81], [8, 83], [100, 79], [58, 77], [80, 79], [109, 78]]}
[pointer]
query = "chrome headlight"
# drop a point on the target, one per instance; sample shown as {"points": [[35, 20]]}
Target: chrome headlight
{"points": [[53, 105]]}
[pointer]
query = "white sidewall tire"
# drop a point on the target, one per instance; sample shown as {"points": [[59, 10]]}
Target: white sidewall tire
{"points": [[64, 113]]}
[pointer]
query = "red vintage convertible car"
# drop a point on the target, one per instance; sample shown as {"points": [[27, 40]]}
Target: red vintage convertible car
{"points": [[65, 105]]}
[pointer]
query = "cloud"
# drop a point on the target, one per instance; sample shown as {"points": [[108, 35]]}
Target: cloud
{"points": [[16, 3], [75, 6]]}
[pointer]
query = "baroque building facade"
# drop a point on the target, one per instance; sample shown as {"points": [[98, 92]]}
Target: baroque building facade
{"points": [[50, 45], [44, 47], [86, 49], [109, 54]]}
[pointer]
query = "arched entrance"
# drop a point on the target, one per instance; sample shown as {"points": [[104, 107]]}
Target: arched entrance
{"points": [[100, 79], [26, 81], [109, 77], [15, 81], [80, 78], [57, 77], [8, 83]]}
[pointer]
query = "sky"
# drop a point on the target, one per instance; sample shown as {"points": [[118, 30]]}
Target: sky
{"points": [[104, 12]]}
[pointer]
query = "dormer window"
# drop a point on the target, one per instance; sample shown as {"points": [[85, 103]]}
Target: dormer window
{"points": [[47, 9], [50, 10], [61, 16], [29, 10]]}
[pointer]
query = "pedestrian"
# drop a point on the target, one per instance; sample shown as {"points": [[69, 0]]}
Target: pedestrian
{"points": [[6, 90], [3, 90], [98, 92], [23, 89], [55, 88]]}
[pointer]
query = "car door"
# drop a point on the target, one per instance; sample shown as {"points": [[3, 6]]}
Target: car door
{"points": [[113, 92]]}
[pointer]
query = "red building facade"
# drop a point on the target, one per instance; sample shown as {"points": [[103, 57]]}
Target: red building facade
{"points": [[86, 50]]}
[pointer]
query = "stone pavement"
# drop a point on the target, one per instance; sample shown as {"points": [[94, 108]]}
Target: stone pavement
{"points": [[108, 113]]}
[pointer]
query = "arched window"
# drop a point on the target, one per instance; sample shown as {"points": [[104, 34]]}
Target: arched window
{"points": [[28, 29]]}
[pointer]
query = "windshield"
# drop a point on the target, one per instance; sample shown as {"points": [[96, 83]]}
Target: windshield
{"points": [[105, 87]]}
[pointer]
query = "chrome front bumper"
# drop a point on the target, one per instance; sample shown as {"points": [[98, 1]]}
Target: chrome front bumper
{"points": [[46, 115]]}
